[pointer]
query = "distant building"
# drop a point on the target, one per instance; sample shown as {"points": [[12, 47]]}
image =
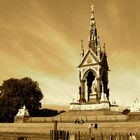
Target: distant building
{"points": [[93, 73]]}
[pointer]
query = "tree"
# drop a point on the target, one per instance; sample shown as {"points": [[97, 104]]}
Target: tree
{"points": [[10, 100], [31, 94], [45, 113], [126, 111], [14, 93]]}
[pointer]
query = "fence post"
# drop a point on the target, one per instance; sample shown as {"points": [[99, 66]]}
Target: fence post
{"points": [[51, 134], [78, 135], [67, 135], [63, 135], [75, 135], [102, 137], [55, 125], [127, 136], [111, 136]]}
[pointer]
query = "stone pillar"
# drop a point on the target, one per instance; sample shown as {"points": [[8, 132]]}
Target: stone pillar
{"points": [[98, 89], [82, 95]]}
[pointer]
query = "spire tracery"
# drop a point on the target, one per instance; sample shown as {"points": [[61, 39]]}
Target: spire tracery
{"points": [[93, 39]]}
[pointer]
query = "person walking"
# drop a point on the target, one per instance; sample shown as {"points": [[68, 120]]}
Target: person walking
{"points": [[96, 126], [90, 128], [132, 136]]}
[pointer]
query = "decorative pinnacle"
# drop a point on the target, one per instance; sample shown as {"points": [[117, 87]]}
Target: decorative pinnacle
{"points": [[98, 42], [98, 38], [82, 48], [82, 45], [104, 49], [92, 12]]}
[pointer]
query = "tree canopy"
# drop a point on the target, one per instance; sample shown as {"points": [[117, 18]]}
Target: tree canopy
{"points": [[126, 111], [15, 93]]}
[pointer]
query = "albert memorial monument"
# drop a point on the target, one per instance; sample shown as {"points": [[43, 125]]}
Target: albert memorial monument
{"points": [[93, 74]]}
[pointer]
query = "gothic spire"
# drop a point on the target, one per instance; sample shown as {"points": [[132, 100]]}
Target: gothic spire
{"points": [[93, 41]]}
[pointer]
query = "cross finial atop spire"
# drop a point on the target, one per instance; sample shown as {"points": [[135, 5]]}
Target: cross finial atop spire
{"points": [[92, 8]]}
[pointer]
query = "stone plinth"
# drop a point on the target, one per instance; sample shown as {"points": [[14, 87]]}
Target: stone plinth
{"points": [[19, 118], [114, 107], [93, 98], [90, 106]]}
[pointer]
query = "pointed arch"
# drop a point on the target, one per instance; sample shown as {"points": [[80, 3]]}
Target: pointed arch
{"points": [[87, 72]]}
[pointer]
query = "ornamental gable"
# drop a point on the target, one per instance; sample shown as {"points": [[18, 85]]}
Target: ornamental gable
{"points": [[90, 58]]}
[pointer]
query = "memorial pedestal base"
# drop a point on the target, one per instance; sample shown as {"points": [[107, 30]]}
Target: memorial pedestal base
{"points": [[90, 106]]}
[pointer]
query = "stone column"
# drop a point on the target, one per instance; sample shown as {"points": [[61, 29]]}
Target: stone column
{"points": [[98, 89], [82, 96]]}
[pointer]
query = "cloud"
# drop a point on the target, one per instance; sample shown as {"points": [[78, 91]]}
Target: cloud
{"points": [[41, 39], [124, 86]]}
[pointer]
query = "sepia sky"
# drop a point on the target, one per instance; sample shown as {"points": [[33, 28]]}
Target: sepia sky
{"points": [[41, 39]]}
